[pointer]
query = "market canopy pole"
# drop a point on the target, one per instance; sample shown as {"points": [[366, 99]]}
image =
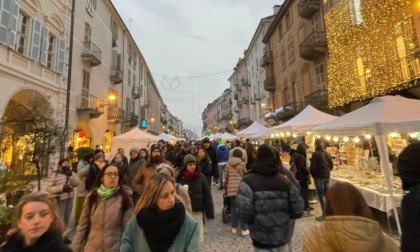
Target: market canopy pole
{"points": [[386, 169]]}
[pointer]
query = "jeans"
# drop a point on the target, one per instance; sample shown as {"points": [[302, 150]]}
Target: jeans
{"points": [[304, 192], [220, 169], [65, 208], [234, 215], [284, 248], [321, 190]]}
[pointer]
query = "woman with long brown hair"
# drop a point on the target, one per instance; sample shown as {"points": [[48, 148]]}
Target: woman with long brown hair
{"points": [[204, 163], [348, 225], [38, 226], [161, 222], [106, 212]]}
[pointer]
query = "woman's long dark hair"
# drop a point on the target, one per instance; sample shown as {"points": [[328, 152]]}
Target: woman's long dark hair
{"points": [[207, 157], [93, 198]]}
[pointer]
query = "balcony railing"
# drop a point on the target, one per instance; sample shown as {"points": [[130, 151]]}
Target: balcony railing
{"points": [[317, 99], [314, 46], [136, 92], [239, 104], [267, 58], [116, 76], [115, 113], [235, 95], [90, 105], [245, 100], [307, 8], [289, 110], [91, 54], [245, 81], [244, 122], [270, 84], [132, 119]]}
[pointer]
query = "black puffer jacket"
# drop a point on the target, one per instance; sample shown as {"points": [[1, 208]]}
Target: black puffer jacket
{"points": [[321, 164], [299, 159], [268, 202], [200, 195]]}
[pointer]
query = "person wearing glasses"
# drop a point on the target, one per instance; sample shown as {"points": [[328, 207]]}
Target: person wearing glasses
{"points": [[106, 212]]}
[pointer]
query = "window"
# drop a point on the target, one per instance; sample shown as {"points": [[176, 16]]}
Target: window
{"points": [[321, 76], [128, 104], [21, 36], [85, 90], [283, 59], [88, 33], [90, 6], [129, 77], [114, 31], [36, 39], [50, 52], [280, 31], [289, 20], [291, 50], [129, 52], [316, 25], [61, 53], [9, 14]]}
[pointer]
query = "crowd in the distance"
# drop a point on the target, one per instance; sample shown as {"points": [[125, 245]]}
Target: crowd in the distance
{"points": [[159, 199]]}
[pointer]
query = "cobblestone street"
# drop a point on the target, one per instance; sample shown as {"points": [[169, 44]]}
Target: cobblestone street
{"points": [[218, 236]]}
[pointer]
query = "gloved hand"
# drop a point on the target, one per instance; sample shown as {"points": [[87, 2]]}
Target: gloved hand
{"points": [[67, 188], [67, 171]]}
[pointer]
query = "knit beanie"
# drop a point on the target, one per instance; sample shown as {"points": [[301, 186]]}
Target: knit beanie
{"points": [[409, 166], [155, 147], [134, 150], [206, 140], [98, 156], [265, 151], [189, 159]]}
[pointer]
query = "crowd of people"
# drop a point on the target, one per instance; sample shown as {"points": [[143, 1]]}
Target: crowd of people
{"points": [[159, 199]]}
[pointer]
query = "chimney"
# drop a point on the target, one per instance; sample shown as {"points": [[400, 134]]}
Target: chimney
{"points": [[276, 8]]}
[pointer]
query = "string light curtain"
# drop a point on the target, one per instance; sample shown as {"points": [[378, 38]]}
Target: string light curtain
{"points": [[373, 49]]}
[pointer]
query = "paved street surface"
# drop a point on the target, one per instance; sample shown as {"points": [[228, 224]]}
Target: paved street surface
{"points": [[218, 236]]}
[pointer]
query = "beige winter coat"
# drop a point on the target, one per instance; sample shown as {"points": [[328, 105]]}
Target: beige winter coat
{"points": [[104, 225], [234, 172], [348, 233], [57, 180]]}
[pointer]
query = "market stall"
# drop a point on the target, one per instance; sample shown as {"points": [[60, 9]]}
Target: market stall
{"points": [[135, 138], [383, 115], [167, 137], [227, 136], [255, 130]]}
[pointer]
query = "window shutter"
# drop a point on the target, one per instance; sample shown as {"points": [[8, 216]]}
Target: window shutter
{"points": [[44, 45], [36, 39], [61, 53], [14, 15], [5, 11]]}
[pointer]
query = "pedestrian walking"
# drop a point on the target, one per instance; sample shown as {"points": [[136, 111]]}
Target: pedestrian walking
{"points": [[302, 175], [213, 158], [204, 163], [136, 160], [160, 221], [61, 184], [321, 165], [199, 191], [106, 212], [122, 153], [222, 158], [99, 162], [409, 170], [251, 153], [82, 171], [37, 226], [235, 169], [268, 202], [348, 226], [122, 166]]}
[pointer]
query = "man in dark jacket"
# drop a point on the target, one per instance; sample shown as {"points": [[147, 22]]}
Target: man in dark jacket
{"points": [[213, 157], [409, 169], [268, 202], [321, 166], [302, 175], [185, 150]]}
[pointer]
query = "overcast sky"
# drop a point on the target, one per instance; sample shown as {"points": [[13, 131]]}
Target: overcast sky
{"points": [[200, 41]]}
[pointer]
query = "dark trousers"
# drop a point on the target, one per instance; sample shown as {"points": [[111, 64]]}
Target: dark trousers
{"points": [[304, 192]]}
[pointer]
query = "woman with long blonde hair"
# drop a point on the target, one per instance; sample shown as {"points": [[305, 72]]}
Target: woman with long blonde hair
{"points": [[38, 226], [160, 221]]}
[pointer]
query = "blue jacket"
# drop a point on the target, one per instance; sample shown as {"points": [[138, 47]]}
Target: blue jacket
{"points": [[187, 240], [222, 154]]}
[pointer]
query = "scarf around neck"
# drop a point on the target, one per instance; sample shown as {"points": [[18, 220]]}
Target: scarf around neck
{"points": [[161, 227], [191, 175], [105, 193]]}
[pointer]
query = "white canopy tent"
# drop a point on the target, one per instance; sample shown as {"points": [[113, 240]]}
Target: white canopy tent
{"points": [[135, 138], [215, 136], [305, 121], [166, 137], [381, 116], [255, 130], [227, 136]]}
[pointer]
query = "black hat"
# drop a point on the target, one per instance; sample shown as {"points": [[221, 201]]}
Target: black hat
{"points": [[409, 166], [186, 144], [265, 151], [206, 140], [155, 147]]}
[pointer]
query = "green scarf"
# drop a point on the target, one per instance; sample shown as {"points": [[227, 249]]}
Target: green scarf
{"points": [[105, 193]]}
